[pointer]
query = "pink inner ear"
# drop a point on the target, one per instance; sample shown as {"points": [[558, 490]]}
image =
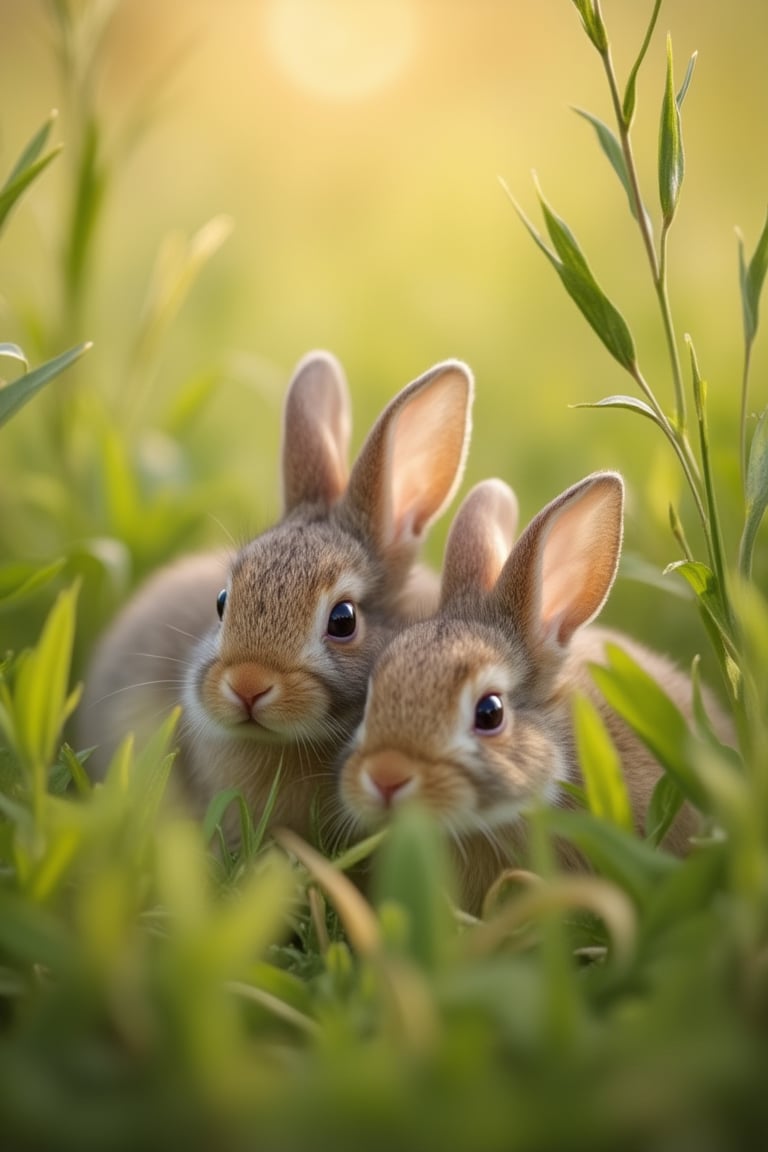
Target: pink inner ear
{"points": [[579, 556], [428, 454], [479, 540], [316, 430]]}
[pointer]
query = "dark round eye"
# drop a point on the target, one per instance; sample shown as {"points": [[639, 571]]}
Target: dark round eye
{"points": [[489, 713], [221, 600], [342, 621]]}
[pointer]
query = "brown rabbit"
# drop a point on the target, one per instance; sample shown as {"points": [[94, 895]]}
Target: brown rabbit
{"points": [[280, 681], [470, 711]]}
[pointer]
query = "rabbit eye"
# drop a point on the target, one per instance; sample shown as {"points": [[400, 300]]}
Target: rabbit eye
{"points": [[221, 600], [342, 621], [489, 713]]}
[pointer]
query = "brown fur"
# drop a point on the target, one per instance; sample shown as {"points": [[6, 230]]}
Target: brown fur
{"points": [[512, 622], [270, 687]]}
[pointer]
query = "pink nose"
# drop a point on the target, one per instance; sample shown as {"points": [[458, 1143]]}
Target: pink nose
{"points": [[249, 699], [390, 772], [388, 789], [249, 683]]}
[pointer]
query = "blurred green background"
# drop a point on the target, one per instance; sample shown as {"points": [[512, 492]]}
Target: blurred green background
{"points": [[356, 148]]}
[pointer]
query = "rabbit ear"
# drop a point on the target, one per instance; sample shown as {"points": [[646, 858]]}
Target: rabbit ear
{"points": [[479, 540], [316, 428], [561, 570], [413, 458]]}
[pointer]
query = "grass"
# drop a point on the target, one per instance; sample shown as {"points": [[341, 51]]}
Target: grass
{"points": [[151, 991]]}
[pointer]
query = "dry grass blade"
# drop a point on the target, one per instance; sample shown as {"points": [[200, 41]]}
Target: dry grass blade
{"points": [[354, 911]]}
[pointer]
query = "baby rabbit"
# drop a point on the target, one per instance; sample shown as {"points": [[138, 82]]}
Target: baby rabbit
{"points": [[278, 682], [470, 711]]}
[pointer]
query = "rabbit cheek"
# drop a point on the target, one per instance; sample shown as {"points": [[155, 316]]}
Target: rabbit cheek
{"points": [[522, 767]]}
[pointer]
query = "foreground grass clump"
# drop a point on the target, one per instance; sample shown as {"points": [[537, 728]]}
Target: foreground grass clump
{"points": [[154, 990]]}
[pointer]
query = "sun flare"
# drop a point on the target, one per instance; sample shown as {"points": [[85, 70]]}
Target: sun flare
{"points": [[341, 49]]}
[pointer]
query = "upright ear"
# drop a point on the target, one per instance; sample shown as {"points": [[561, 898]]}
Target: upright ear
{"points": [[316, 428], [413, 458], [561, 570], [479, 540]]}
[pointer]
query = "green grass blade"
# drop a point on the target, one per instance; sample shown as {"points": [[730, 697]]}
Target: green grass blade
{"points": [[656, 719], [605, 789], [15, 395], [10, 193]]}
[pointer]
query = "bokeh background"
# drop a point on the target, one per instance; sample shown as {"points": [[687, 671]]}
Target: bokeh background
{"points": [[355, 149]]}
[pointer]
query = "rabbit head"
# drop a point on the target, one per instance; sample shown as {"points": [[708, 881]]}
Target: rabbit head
{"points": [[469, 711], [309, 603]]}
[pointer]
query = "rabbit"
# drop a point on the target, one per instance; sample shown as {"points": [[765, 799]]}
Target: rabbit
{"points": [[469, 711], [279, 680]]}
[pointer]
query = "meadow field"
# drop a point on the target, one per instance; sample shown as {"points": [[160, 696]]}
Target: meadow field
{"points": [[197, 193]]}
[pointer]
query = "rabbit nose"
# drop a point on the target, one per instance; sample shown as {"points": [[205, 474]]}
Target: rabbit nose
{"points": [[248, 683], [392, 777]]}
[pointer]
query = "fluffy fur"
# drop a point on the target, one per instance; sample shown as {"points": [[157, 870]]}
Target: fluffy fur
{"points": [[271, 686], [512, 625]]}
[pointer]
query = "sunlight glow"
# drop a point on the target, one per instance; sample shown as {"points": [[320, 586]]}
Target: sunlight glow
{"points": [[341, 49]]}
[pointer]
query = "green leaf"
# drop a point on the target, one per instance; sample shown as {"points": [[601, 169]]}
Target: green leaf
{"points": [[704, 583], [13, 352], [11, 191], [33, 149], [686, 80], [606, 791], [41, 698], [642, 702], [17, 581], [756, 493], [14, 396], [612, 150], [630, 92], [578, 281], [630, 862], [666, 802], [628, 402], [671, 156], [412, 871], [89, 196], [751, 278]]}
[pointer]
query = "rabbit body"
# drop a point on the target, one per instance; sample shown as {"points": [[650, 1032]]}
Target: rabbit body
{"points": [[279, 681], [470, 711]]}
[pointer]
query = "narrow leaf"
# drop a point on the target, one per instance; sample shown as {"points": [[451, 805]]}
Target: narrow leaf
{"points": [[656, 719], [756, 493], [630, 92], [11, 192], [17, 581], [33, 149], [606, 791], [751, 278], [686, 80], [666, 801], [671, 158], [13, 352], [602, 316], [14, 396], [612, 150], [629, 402], [633, 864], [704, 583], [578, 281]]}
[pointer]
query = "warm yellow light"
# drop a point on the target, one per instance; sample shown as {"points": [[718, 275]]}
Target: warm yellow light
{"points": [[341, 49]]}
